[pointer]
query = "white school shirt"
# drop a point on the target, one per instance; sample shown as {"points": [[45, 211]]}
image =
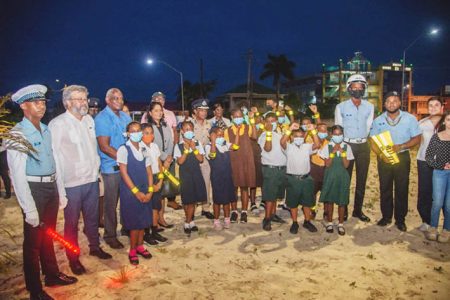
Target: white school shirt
{"points": [[122, 154], [427, 128], [177, 151], [74, 147], [298, 158], [325, 154], [153, 153], [276, 157]]}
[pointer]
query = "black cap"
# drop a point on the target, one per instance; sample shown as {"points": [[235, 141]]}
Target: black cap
{"points": [[390, 94], [200, 103]]}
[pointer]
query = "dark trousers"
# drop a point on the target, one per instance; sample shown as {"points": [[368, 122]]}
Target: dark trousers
{"points": [[361, 152], [82, 199], [4, 173], [111, 183], [37, 246], [394, 177], [424, 197]]}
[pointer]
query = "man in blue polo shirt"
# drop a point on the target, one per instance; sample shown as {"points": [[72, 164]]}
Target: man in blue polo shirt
{"points": [[110, 126], [356, 116], [405, 133]]}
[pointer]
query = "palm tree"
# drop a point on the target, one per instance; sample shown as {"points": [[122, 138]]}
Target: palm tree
{"points": [[278, 66], [196, 90]]}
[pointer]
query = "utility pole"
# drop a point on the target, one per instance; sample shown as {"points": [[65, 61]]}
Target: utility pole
{"points": [[202, 88], [249, 76]]}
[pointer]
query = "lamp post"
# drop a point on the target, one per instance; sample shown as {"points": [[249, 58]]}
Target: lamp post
{"points": [[150, 61], [431, 32]]}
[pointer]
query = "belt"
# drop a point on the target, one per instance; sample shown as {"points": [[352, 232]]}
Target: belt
{"points": [[46, 178], [275, 167], [299, 176], [355, 141]]}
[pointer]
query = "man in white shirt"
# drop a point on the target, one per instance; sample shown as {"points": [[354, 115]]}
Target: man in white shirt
{"points": [[77, 165]]}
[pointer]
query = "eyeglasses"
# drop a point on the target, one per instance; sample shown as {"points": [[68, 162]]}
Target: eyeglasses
{"points": [[80, 99], [116, 98]]}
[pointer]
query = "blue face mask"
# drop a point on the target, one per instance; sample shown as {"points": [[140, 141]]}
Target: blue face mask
{"points": [[220, 141], [305, 128], [238, 121], [281, 120], [136, 136], [337, 139], [189, 135], [322, 135], [298, 141], [274, 126]]}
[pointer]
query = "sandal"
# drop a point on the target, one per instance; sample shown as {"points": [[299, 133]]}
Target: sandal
{"points": [[329, 228], [134, 260], [341, 229], [144, 253]]}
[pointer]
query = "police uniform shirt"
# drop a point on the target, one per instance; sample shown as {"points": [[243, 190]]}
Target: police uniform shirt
{"points": [[356, 120], [201, 131]]}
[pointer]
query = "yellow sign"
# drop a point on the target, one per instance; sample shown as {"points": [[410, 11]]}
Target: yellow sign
{"points": [[384, 143]]}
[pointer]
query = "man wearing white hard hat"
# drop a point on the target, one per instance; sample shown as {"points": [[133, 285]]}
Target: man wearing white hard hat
{"points": [[356, 116], [34, 178]]}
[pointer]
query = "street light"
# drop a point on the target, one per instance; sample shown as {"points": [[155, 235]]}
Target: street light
{"points": [[433, 31], [151, 61]]}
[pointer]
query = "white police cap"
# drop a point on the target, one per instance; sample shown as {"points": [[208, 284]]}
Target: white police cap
{"points": [[29, 93]]}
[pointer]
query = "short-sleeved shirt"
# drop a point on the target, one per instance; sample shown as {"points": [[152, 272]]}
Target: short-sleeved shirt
{"points": [[201, 131], [298, 158], [108, 124], [220, 148], [356, 120], [122, 154], [177, 151], [325, 154], [276, 157], [153, 153], [402, 129], [427, 128]]}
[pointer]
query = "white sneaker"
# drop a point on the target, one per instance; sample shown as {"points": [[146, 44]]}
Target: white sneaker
{"points": [[424, 227], [227, 223], [431, 234], [444, 236], [217, 225]]}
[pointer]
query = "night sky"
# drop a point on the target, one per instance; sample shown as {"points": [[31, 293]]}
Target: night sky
{"points": [[101, 44]]}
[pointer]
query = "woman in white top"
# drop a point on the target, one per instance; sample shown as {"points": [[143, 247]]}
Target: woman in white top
{"points": [[428, 127]]}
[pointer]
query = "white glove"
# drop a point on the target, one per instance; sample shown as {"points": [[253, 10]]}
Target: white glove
{"points": [[32, 218], [62, 202]]}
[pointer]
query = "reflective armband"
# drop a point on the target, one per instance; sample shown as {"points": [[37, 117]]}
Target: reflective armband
{"points": [[212, 154], [314, 132], [316, 116], [135, 190], [235, 147], [257, 114], [252, 121], [277, 113], [150, 189], [344, 154], [288, 132], [196, 152], [160, 175], [185, 151], [290, 112], [332, 155], [261, 126]]}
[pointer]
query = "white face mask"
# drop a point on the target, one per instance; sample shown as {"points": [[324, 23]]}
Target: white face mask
{"points": [[298, 141]]}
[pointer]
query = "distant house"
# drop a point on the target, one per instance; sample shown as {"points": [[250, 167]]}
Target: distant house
{"points": [[234, 97]]}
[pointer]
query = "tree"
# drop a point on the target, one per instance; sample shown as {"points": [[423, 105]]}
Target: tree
{"points": [[194, 91], [277, 67]]}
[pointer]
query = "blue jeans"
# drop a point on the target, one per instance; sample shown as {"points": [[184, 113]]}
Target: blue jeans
{"points": [[441, 197], [82, 199]]}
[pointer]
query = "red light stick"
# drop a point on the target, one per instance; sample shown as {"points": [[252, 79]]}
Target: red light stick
{"points": [[57, 237]]}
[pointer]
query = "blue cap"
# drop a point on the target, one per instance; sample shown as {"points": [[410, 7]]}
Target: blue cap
{"points": [[30, 93]]}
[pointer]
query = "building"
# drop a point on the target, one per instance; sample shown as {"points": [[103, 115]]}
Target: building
{"points": [[238, 95]]}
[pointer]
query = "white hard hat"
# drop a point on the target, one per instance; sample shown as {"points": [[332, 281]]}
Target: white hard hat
{"points": [[356, 78]]}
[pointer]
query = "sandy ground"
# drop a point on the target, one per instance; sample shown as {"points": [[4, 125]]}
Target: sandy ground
{"points": [[245, 262]]}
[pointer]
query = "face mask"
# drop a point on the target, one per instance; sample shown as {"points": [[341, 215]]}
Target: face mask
{"points": [[337, 139], [189, 135], [322, 135], [281, 120], [274, 126], [238, 121], [298, 141], [136, 136], [305, 128], [268, 107], [147, 139], [358, 94], [244, 110], [220, 141]]}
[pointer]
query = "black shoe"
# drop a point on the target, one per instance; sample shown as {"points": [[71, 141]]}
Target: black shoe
{"points": [[159, 229], [148, 238], [234, 217], [266, 224], [275, 218], [168, 226], [310, 226], [194, 228], [158, 237], [42, 295], [59, 279], [187, 230], [7, 196], [401, 226], [294, 228], [100, 253], [384, 222], [115, 244], [208, 215], [243, 217], [361, 216], [124, 232], [76, 267]]}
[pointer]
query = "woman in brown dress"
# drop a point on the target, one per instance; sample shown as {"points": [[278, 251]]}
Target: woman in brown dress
{"points": [[242, 160]]}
